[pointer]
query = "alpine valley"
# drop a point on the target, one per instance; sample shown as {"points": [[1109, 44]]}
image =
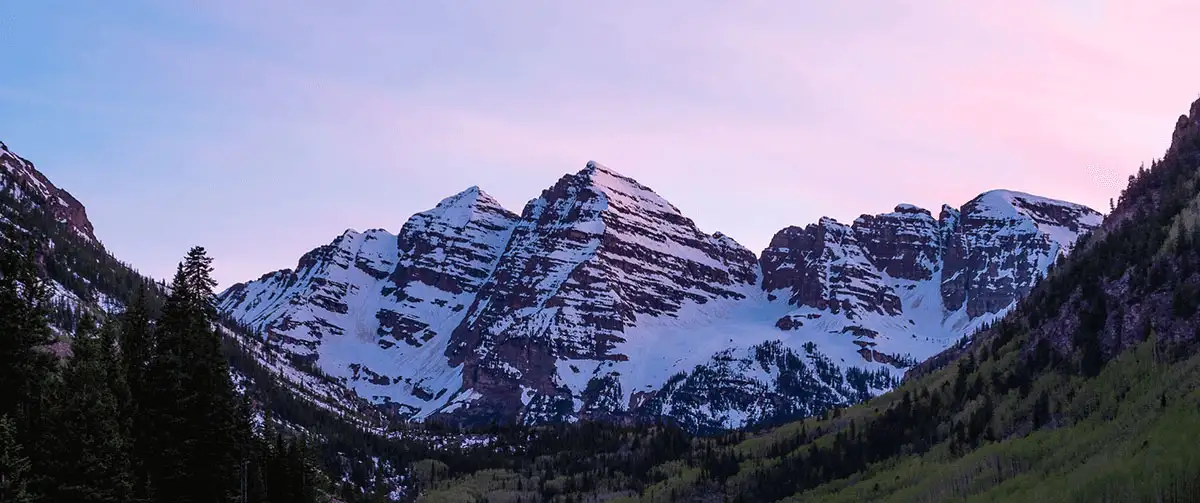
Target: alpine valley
{"points": [[601, 301], [1016, 348]]}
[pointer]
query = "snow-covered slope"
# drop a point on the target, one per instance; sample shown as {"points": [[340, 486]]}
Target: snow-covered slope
{"points": [[601, 300], [378, 309], [596, 258]]}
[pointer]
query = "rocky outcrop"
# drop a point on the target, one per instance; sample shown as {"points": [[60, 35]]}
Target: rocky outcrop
{"points": [[20, 173], [1001, 242], [904, 244], [590, 258], [602, 301], [984, 256], [826, 267]]}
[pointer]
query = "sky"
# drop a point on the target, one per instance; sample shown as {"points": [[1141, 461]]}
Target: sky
{"points": [[261, 129]]}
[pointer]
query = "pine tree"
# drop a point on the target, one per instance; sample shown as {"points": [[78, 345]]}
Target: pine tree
{"points": [[24, 334], [197, 268], [166, 435], [14, 466], [137, 347], [27, 370], [209, 400], [92, 464], [189, 401]]}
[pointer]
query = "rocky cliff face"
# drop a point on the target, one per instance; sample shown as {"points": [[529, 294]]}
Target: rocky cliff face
{"points": [[594, 256], [21, 175], [602, 301], [984, 256]]}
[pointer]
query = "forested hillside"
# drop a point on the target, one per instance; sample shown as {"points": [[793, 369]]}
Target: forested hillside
{"points": [[143, 409], [1088, 391]]}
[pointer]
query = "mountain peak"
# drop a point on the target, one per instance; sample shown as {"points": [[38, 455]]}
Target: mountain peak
{"points": [[471, 196], [620, 192], [1016, 198], [467, 205], [602, 177], [911, 209], [596, 166], [1010, 202]]}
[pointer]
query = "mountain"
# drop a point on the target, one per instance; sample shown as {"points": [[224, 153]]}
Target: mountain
{"points": [[1087, 389], [85, 277], [602, 301], [360, 447], [81, 272], [21, 175]]}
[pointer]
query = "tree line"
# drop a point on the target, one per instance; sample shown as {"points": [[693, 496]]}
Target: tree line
{"points": [[138, 406]]}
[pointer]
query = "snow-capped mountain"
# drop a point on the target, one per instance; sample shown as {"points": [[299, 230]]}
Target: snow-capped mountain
{"points": [[380, 308], [601, 300]]}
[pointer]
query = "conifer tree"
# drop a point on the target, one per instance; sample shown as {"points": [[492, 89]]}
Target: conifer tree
{"points": [[209, 401], [167, 438], [24, 335], [137, 346], [91, 461], [198, 433], [14, 466], [27, 371]]}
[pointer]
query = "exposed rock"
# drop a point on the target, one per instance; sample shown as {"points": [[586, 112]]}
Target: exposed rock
{"points": [[602, 301], [58, 202]]}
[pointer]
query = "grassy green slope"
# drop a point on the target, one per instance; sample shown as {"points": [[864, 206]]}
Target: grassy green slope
{"points": [[1132, 439]]}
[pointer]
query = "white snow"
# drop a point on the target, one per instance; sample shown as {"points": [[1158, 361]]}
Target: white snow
{"points": [[557, 254]]}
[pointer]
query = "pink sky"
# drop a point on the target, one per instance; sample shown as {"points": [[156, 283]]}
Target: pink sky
{"points": [[262, 129]]}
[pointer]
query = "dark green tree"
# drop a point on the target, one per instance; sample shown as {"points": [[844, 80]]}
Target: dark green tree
{"points": [[14, 466], [209, 401], [196, 417], [24, 335], [27, 374], [91, 462], [165, 440], [137, 349]]}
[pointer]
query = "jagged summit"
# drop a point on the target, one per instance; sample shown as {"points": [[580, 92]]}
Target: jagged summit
{"points": [[472, 196], [460, 209], [911, 209], [1061, 221], [1023, 200], [602, 300], [596, 166]]}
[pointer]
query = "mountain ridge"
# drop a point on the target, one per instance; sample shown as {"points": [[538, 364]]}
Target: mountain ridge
{"points": [[550, 315]]}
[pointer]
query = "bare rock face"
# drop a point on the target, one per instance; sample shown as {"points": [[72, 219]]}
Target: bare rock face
{"points": [[905, 243], [827, 267], [984, 256], [446, 255], [590, 258], [58, 202], [602, 301], [1002, 242]]}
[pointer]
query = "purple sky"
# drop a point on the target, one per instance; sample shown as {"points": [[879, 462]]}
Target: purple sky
{"points": [[262, 129]]}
